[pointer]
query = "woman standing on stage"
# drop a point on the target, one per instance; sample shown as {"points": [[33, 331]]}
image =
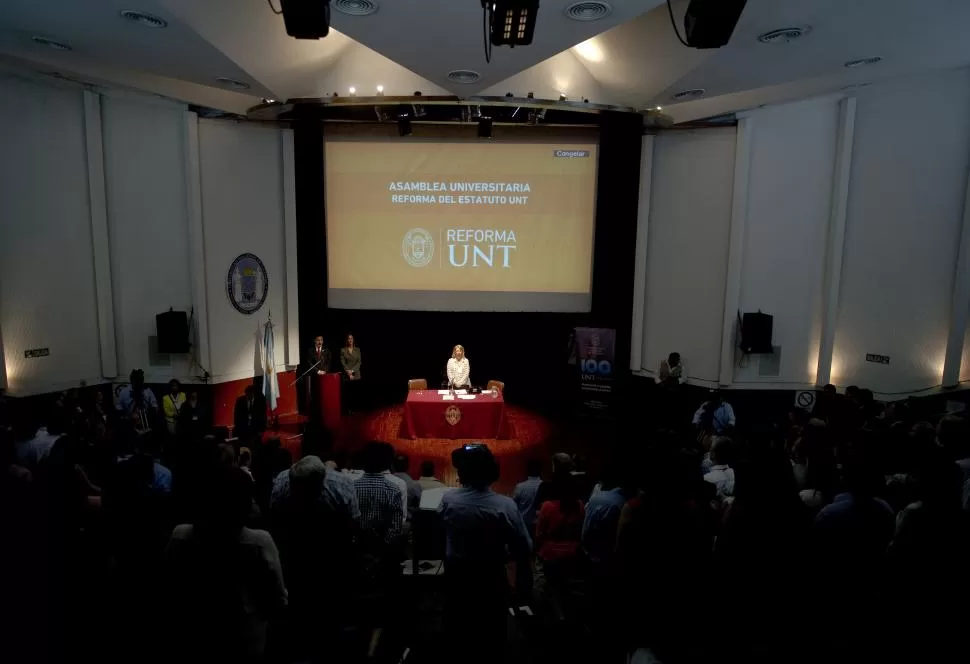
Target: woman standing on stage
{"points": [[458, 368], [350, 358]]}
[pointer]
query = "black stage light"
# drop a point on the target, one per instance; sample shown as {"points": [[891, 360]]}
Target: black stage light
{"points": [[512, 21], [484, 127], [306, 19], [403, 126]]}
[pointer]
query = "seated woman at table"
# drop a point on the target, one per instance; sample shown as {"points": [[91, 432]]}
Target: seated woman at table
{"points": [[458, 369], [350, 358]]}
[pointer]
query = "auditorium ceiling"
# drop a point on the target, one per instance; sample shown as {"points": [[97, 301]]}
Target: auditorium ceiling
{"points": [[631, 57]]}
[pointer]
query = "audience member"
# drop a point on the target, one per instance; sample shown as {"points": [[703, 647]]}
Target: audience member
{"points": [[715, 415], [428, 480], [172, 404], [482, 529], [381, 517], [249, 416], [137, 402], [603, 516], [224, 581], [525, 493], [401, 465], [193, 418], [721, 475]]}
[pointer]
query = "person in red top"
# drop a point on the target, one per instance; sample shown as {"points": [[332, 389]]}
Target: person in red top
{"points": [[559, 529]]}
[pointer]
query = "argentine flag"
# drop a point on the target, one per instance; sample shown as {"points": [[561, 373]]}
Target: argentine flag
{"points": [[271, 386]]}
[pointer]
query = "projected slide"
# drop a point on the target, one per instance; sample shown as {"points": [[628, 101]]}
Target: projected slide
{"points": [[468, 226]]}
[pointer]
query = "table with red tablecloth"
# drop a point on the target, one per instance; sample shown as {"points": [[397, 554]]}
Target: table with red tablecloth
{"points": [[428, 414]]}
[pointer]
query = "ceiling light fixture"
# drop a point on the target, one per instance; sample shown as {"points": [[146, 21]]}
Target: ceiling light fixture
{"points": [[51, 43], [356, 7], [143, 18], [352, 91], [588, 10], [562, 97], [232, 83], [589, 50], [464, 76], [688, 94], [380, 90], [862, 62], [784, 34]]}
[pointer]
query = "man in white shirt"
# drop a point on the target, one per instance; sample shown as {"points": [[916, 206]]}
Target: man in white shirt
{"points": [[428, 481], [526, 491], [721, 474], [458, 368]]}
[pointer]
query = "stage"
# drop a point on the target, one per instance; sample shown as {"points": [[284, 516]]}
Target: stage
{"points": [[530, 436]]}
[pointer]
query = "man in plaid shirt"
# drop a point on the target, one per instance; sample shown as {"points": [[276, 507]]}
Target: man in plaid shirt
{"points": [[381, 518]]}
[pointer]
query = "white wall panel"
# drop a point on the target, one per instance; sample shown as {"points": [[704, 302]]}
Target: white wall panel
{"points": [[242, 210], [687, 247], [789, 202], [47, 294], [148, 226], [906, 195]]}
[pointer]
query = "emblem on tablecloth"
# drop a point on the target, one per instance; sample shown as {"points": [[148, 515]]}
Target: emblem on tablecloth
{"points": [[453, 415]]}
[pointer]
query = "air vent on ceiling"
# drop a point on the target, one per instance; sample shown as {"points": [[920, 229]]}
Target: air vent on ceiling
{"points": [[464, 76], [355, 7], [688, 94], [852, 64], [588, 10], [232, 83], [143, 18], [51, 43], [784, 34]]}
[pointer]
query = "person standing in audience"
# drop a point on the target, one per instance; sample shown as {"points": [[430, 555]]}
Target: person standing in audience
{"points": [[428, 481], [715, 415], [138, 403], [249, 418], [721, 475], [458, 369], [193, 422], [224, 581], [558, 531], [603, 516], [172, 404], [482, 530], [671, 371], [381, 517], [401, 465], [526, 491]]}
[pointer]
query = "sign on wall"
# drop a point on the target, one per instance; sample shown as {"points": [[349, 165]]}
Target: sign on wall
{"points": [[595, 348], [247, 283]]}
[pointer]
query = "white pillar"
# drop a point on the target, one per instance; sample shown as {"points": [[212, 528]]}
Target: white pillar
{"points": [[832, 278], [640, 269], [193, 198], [100, 244], [960, 302], [739, 220]]}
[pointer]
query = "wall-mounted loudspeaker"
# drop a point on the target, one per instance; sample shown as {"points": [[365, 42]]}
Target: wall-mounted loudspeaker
{"points": [[710, 23], [172, 328], [756, 333]]}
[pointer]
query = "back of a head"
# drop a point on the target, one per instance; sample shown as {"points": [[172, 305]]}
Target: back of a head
{"points": [[401, 463], [226, 502], [722, 451], [951, 432], [476, 466], [377, 457], [427, 469], [562, 464], [307, 477]]}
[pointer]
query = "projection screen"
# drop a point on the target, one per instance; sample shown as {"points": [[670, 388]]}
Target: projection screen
{"points": [[462, 226]]}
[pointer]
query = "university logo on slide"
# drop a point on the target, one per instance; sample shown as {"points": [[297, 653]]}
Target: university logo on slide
{"points": [[418, 247]]}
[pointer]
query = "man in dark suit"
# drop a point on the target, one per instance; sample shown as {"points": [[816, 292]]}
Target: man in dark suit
{"points": [[318, 355], [249, 417]]}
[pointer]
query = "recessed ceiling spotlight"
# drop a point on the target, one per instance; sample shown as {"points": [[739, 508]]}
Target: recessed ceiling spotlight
{"points": [[352, 91], [380, 90], [588, 10], [784, 34], [852, 64], [464, 76], [268, 100], [688, 94], [143, 18], [232, 83], [51, 43], [355, 7]]}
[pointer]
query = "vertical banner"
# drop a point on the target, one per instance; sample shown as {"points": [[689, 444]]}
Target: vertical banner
{"points": [[595, 347]]}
